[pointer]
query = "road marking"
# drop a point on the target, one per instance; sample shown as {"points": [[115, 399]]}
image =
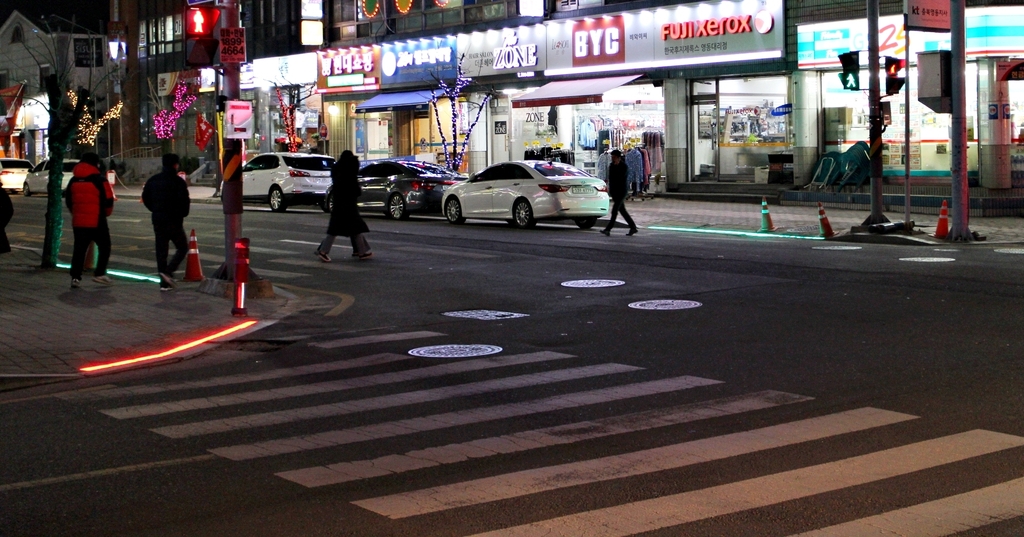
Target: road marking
{"points": [[363, 340], [649, 515], [285, 372], [278, 273], [346, 300], [389, 401], [302, 390], [454, 419], [262, 250], [319, 476], [106, 472], [315, 263], [928, 259], [442, 251], [301, 242], [61, 395], [938, 518], [512, 485]]}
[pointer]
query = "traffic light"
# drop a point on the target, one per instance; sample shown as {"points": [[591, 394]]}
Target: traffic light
{"points": [[201, 39], [893, 82], [850, 76]]}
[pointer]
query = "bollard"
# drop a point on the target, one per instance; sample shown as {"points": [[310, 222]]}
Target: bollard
{"points": [[241, 276]]}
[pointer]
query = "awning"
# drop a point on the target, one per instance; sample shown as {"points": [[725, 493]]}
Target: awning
{"points": [[571, 92], [386, 102]]}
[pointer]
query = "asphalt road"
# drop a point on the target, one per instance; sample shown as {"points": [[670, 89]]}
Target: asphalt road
{"points": [[803, 388]]}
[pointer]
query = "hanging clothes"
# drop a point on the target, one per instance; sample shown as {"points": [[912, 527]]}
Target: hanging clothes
{"points": [[635, 162], [602, 165]]}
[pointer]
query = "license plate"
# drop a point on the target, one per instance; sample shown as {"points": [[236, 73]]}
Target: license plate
{"points": [[582, 190]]}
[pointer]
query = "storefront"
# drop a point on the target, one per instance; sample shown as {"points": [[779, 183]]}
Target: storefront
{"points": [[995, 109]]}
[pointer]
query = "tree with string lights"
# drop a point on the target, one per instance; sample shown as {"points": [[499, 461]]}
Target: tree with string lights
{"points": [[454, 150]]}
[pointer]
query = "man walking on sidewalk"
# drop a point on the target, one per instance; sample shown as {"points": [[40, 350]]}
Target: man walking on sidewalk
{"points": [[166, 196], [90, 199], [617, 187]]}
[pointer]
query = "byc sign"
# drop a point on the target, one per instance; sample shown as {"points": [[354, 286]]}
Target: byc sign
{"points": [[598, 41]]}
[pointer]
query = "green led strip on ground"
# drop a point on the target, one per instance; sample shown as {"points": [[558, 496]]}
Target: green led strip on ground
{"points": [[736, 233], [122, 274]]}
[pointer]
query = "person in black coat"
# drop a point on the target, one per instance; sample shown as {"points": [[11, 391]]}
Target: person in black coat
{"points": [[6, 213], [617, 189], [345, 219], [166, 196]]}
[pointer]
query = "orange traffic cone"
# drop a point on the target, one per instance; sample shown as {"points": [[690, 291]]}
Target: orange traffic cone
{"points": [[766, 217], [825, 229], [193, 270], [942, 228]]}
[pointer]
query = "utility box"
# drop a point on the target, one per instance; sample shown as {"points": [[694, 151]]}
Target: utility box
{"points": [[761, 174], [934, 85]]}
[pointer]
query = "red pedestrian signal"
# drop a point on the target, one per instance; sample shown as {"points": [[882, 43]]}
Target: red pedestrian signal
{"points": [[202, 42], [893, 81]]}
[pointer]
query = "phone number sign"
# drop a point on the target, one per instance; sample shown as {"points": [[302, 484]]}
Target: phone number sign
{"points": [[232, 45]]}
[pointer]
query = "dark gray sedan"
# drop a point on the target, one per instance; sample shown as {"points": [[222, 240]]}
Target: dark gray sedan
{"points": [[401, 187]]}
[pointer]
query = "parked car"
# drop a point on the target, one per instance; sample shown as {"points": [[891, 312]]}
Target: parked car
{"points": [[284, 179], [401, 187], [13, 172], [523, 192], [37, 180]]}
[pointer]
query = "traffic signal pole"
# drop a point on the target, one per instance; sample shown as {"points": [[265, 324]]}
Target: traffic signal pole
{"points": [[874, 117], [231, 160]]}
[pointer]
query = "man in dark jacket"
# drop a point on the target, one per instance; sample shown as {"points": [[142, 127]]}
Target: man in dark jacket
{"points": [[90, 199], [617, 186], [166, 196]]}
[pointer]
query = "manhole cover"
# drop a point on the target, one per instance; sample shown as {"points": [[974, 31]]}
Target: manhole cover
{"points": [[454, 351], [665, 305], [835, 247], [928, 259], [1010, 251], [593, 283], [484, 315]]}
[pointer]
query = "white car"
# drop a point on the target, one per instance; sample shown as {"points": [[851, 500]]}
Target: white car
{"points": [[525, 191], [283, 179], [39, 178], [13, 172]]}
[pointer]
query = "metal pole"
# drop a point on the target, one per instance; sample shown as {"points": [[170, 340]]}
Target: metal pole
{"points": [[906, 124], [960, 205], [231, 194], [874, 117]]}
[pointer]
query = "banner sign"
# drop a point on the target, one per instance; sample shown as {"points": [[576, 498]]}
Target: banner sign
{"points": [[421, 60], [927, 15], [89, 52]]}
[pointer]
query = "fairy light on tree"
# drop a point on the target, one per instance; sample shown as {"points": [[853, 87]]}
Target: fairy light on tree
{"points": [[292, 139], [454, 153], [88, 129], [165, 122]]}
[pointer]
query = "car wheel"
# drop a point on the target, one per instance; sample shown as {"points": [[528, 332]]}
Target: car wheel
{"points": [[328, 204], [25, 190], [396, 207], [585, 223], [276, 200], [522, 215], [453, 211]]}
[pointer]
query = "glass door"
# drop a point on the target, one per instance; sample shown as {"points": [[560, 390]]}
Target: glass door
{"points": [[704, 131]]}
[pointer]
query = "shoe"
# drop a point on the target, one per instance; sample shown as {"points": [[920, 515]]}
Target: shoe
{"points": [[163, 288], [167, 281], [103, 280], [631, 232], [76, 283], [323, 257], [606, 233], [365, 256], [355, 254]]}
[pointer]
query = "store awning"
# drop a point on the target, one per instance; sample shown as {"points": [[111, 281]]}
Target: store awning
{"points": [[571, 92], [386, 102]]}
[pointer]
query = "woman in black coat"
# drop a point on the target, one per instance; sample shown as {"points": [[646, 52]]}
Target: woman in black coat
{"points": [[6, 213], [345, 219]]}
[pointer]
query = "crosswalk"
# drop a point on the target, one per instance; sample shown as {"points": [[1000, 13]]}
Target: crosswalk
{"points": [[521, 395]]}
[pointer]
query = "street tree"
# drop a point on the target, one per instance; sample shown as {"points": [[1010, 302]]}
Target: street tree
{"points": [[454, 149]]}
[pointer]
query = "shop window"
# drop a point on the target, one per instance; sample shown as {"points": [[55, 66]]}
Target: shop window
{"points": [[44, 71]]}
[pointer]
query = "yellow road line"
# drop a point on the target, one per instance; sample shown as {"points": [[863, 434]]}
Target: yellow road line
{"points": [[346, 300]]}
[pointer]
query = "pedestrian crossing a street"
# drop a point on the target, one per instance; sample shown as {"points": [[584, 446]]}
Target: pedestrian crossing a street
{"points": [[529, 446]]}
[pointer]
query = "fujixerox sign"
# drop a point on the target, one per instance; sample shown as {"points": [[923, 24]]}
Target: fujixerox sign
{"points": [[687, 34]]}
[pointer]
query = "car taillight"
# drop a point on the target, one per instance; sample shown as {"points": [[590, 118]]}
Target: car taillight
{"points": [[298, 173], [6, 172], [416, 185], [554, 188], [432, 186], [602, 188]]}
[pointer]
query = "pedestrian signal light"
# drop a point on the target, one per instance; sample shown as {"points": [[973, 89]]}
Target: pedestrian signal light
{"points": [[202, 41], [850, 76], [893, 82]]}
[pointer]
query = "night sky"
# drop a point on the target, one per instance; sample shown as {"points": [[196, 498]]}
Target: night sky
{"points": [[88, 13]]}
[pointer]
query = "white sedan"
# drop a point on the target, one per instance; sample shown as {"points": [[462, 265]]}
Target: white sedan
{"points": [[283, 179], [37, 180], [13, 172], [525, 191]]}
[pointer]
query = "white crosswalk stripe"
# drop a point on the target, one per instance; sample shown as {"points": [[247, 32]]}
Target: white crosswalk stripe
{"points": [[363, 340], [154, 409]]}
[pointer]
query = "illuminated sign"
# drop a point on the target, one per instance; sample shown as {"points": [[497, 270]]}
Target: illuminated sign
{"points": [[423, 60], [510, 50], [512, 55], [598, 41], [349, 69]]}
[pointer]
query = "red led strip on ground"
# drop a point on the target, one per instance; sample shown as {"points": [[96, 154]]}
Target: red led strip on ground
{"points": [[179, 348]]}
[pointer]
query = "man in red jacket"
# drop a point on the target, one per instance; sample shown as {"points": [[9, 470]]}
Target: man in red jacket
{"points": [[90, 199]]}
